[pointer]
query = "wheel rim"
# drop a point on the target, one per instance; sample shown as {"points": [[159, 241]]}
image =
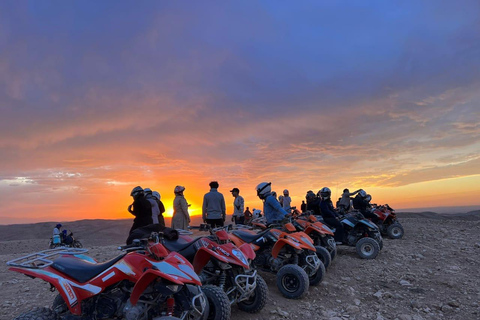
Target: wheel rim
{"points": [[290, 283], [367, 249], [396, 231]]}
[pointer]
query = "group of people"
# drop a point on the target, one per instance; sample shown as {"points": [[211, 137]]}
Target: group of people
{"points": [[148, 209]]}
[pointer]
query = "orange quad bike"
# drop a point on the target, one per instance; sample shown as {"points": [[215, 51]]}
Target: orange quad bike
{"points": [[321, 234], [291, 256]]}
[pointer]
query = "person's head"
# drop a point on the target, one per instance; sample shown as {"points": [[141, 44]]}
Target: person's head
{"points": [[346, 191], [274, 194], [235, 192], [280, 198], [147, 191], [58, 226], [247, 208], [213, 185], [362, 193], [137, 192], [368, 198], [263, 189], [285, 193], [325, 193], [310, 195], [156, 195], [303, 201], [179, 190]]}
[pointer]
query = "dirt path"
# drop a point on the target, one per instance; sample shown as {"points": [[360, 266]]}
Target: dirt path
{"points": [[432, 273]]}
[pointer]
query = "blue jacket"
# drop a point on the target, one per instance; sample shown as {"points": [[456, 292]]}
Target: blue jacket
{"points": [[273, 209]]}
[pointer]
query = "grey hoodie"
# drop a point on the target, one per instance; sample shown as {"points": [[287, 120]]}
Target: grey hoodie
{"points": [[213, 205]]}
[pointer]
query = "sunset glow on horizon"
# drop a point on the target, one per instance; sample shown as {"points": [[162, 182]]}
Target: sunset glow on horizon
{"points": [[99, 97]]}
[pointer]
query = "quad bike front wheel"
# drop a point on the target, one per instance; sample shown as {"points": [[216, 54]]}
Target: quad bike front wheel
{"points": [[367, 248], [258, 299], [317, 277], [324, 256], [219, 304], [292, 281], [395, 231], [38, 314], [77, 244]]}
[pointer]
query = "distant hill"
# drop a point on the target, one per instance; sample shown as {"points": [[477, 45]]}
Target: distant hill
{"points": [[468, 216], [442, 210]]}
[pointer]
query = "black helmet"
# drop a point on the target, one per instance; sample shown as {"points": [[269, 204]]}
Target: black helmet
{"points": [[310, 195], [136, 191], [325, 193]]}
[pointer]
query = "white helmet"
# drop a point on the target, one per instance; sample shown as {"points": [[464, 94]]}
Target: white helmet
{"points": [[147, 190], [263, 189], [156, 194], [285, 193], [325, 193], [362, 193], [368, 198]]}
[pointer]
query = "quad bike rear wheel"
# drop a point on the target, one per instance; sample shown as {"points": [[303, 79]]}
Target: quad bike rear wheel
{"points": [[324, 256], [258, 299], [38, 314], [219, 304], [395, 231], [367, 248], [292, 281]]}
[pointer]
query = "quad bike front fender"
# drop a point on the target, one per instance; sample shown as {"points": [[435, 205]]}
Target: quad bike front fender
{"points": [[247, 251], [202, 257], [369, 224]]}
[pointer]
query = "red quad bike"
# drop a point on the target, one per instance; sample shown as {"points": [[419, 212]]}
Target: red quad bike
{"points": [[291, 256], [147, 283], [388, 222], [225, 272], [321, 234]]}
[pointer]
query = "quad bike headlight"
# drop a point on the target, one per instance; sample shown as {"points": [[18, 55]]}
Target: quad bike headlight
{"points": [[240, 256]]}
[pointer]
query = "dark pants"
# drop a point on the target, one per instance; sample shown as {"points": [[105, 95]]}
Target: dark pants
{"points": [[239, 220], [215, 222], [339, 232], [370, 215]]}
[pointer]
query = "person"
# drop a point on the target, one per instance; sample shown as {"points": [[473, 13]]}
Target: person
{"points": [[303, 207], [274, 194], [361, 202], [280, 200], [140, 208], [286, 200], [313, 203], [153, 203], [213, 208], [330, 217], [57, 238], [247, 215], [272, 209], [346, 199], [238, 207], [66, 238], [181, 217], [161, 219], [256, 213]]}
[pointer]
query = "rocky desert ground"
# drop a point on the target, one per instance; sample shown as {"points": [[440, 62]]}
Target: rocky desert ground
{"points": [[432, 273]]}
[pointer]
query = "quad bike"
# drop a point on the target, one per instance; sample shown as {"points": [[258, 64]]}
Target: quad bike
{"points": [[144, 283], [387, 221], [361, 234], [225, 271], [72, 244], [290, 255], [321, 234]]}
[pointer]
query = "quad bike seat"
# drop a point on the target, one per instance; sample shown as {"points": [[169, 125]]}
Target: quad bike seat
{"points": [[82, 270], [249, 237], [182, 246]]}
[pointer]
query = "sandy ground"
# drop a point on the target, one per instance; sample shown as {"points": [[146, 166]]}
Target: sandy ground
{"points": [[432, 273]]}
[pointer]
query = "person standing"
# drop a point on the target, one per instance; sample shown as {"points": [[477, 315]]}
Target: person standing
{"points": [[286, 200], [140, 208], [181, 217], [346, 199], [238, 206], [161, 207], [303, 207], [213, 208], [247, 214]]}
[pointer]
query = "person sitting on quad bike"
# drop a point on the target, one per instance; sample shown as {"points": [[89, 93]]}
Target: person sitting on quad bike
{"points": [[271, 207], [361, 202], [313, 203], [329, 215]]}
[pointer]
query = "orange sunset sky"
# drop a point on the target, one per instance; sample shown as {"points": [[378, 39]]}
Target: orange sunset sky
{"points": [[99, 97]]}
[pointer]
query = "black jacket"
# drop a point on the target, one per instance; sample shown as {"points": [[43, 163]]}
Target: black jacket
{"points": [[142, 210], [327, 210]]}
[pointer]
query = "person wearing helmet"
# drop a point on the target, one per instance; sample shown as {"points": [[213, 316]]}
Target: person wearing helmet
{"points": [[161, 207], [154, 204], [271, 207], [362, 203], [346, 199], [286, 200], [238, 206], [313, 203], [330, 217], [213, 208], [181, 217], [140, 208]]}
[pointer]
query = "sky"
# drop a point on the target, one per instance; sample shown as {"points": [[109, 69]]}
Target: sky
{"points": [[97, 97]]}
